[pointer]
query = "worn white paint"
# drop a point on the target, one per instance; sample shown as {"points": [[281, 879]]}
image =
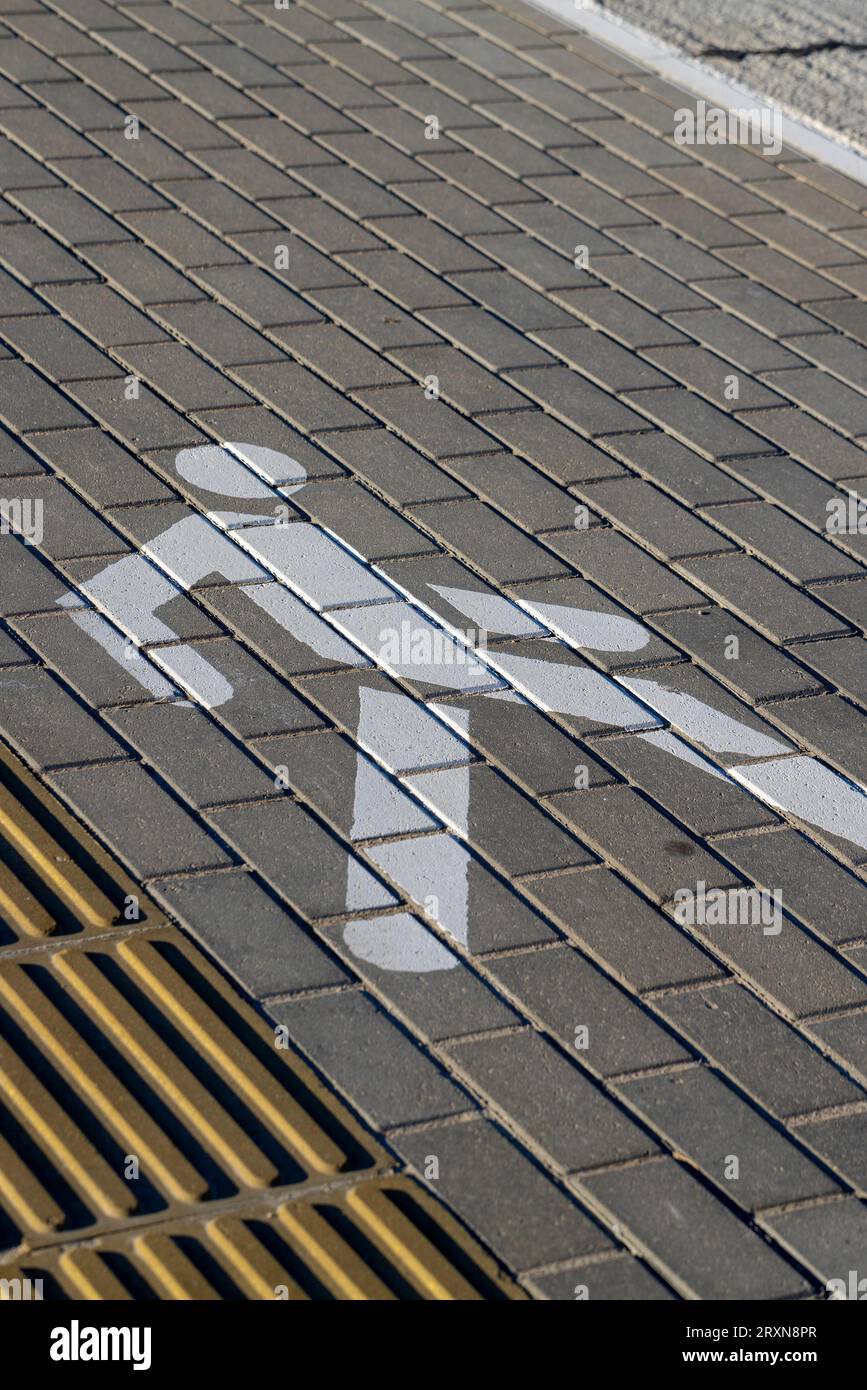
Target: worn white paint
{"points": [[812, 792], [321, 592]]}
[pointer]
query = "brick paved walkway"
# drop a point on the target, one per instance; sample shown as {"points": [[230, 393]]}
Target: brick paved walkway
{"points": [[490, 352]]}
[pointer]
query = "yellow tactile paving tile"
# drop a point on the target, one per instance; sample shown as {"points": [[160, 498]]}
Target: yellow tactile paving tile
{"points": [[145, 1105], [55, 879], [382, 1239], [133, 1055]]}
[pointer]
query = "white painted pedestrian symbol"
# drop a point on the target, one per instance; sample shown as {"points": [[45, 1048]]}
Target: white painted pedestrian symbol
{"points": [[327, 596]]}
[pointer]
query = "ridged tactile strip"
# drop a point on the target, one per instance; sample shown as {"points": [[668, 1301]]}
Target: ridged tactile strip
{"points": [[137, 1049], [381, 1239], [55, 880]]}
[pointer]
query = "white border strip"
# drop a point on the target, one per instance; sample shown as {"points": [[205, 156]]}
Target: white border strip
{"points": [[667, 62]]}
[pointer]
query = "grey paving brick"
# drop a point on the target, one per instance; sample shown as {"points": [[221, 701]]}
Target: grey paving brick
{"points": [[259, 296], [507, 827], [438, 1004], [66, 214], [706, 804], [800, 553], [372, 317], [97, 467], [410, 285], [846, 314], [833, 401], [28, 402], [69, 527], [621, 317], [710, 1123], [558, 229], [759, 306], [56, 348], [180, 239], [712, 377], [307, 269], [763, 598], [809, 204], [305, 399], [512, 152], [846, 1036], [460, 380], [743, 345], [47, 724], [690, 220], [697, 423], [677, 469], [517, 489], [565, 992], [135, 269], [303, 110], [806, 439], [822, 893], [332, 84], [149, 156], [477, 1163], [506, 297], [103, 314], [623, 826], [429, 243], [571, 593], [451, 206], [731, 1262], [192, 754], [84, 107], [219, 207], [302, 860], [373, 529], [621, 568], [761, 670], [98, 677], [530, 747], [576, 400], [606, 1281], [795, 239], [652, 517], [367, 1056], [837, 354], [38, 260], [352, 192], [829, 723], [145, 423], [141, 822], [841, 1141], [391, 466], [217, 333], [600, 358], [181, 376], [605, 918], [831, 1238], [556, 97], [486, 337], [321, 767], [28, 585], [552, 447], [763, 1054], [256, 178], [427, 424], [573, 1121], [487, 541]]}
